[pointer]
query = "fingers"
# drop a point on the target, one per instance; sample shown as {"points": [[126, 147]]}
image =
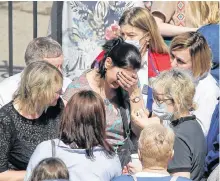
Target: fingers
{"points": [[126, 81], [132, 168], [131, 79]]}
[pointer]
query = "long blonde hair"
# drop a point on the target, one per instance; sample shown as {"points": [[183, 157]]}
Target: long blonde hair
{"points": [[203, 12], [141, 18], [38, 86]]}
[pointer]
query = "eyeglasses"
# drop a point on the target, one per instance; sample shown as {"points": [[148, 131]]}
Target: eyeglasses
{"points": [[158, 101]]}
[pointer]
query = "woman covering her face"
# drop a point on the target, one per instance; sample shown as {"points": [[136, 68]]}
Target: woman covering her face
{"points": [[138, 27], [117, 83]]}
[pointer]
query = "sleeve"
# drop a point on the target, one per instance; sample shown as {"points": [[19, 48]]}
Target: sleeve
{"points": [[123, 178], [5, 139], [164, 8], [181, 161], [42, 151]]}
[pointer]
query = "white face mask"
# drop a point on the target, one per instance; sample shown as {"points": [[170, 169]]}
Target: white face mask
{"points": [[161, 111], [135, 43]]}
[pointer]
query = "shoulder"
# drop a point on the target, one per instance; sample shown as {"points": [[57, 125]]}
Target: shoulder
{"points": [[6, 112], [66, 82], [8, 87], [15, 79], [183, 179], [123, 178], [44, 149], [79, 83], [187, 128], [207, 87], [208, 83]]}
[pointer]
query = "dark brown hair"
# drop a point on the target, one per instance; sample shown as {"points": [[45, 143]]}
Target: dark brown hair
{"points": [[83, 123], [50, 168]]}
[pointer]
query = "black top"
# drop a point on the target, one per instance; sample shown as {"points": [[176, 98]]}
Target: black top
{"points": [[19, 136], [189, 148]]}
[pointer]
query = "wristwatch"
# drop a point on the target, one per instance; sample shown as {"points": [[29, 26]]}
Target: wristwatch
{"points": [[135, 99]]}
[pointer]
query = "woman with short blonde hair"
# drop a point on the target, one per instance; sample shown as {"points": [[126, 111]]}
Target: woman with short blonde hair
{"points": [[178, 87], [30, 118], [173, 93]]}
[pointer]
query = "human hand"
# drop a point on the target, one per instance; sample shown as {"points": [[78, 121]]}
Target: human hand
{"points": [[132, 168], [127, 82], [140, 117]]}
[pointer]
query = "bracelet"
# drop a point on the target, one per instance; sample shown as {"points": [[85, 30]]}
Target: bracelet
{"points": [[135, 99]]}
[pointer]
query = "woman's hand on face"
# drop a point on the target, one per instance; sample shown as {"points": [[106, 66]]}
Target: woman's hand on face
{"points": [[127, 82]]}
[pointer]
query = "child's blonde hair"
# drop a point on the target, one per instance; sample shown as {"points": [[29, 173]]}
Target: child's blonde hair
{"points": [[156, 145]]}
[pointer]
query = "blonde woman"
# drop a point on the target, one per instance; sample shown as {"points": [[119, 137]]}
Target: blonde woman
{"points": [[190, 51], [155, 150], [176, 17], [173, 95], [30, 118]]}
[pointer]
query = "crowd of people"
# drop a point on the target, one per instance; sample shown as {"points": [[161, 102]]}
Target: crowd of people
{"points": [[138, 97]]}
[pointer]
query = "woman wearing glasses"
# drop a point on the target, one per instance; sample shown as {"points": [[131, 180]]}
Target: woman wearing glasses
{"points": [[173, 93]]}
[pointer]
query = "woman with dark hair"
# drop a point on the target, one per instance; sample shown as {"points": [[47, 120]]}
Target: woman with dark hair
{"points": [[117, 72], [82, 145]]}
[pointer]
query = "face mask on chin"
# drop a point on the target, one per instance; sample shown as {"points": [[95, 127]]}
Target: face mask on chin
{"points": [[161, 111]]}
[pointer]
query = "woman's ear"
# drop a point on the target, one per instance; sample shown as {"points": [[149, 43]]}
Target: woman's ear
{"points": [[108, 63], [172, 155], [139, 154], [147, 38]]}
